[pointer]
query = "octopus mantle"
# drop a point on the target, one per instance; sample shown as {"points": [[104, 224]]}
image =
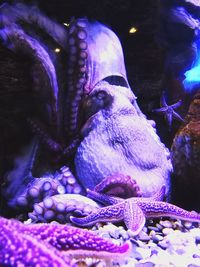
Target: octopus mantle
{"points": [[122, 141]]}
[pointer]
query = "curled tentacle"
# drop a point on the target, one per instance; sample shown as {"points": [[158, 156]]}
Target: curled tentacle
{"points": [[68, 180], [34, 190], [119, 185], [61, 207]]}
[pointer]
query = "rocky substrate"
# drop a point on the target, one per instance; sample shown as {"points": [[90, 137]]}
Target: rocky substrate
{"points": [[185, 153], [162, 243]]}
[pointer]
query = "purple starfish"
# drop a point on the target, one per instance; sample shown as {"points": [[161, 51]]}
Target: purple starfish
{"points": [[38, 244], [134, 211], [20, 249], [169, 110]]}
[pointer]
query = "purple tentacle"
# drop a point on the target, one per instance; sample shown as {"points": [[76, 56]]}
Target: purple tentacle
{"points": [[11, 14], [17, 40], [76, 73], [61, 207], [67, 179], [44, 136], [47, 86], [119, 185], [34, 190]]}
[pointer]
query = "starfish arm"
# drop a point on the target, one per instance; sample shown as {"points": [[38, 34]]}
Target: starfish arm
{"points": [[55, 243], [168, 110], [161, 110], [66, 238], [153, 209], [134, 218], [176, 105], [103, 198], [112, 213], [169, 118], [177, 116], [20, 249], [163, 101]]}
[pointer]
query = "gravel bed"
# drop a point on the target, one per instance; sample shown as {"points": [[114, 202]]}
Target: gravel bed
{"points": [[161, 243]]}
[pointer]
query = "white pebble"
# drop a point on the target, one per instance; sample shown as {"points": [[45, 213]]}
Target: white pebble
{"points": [[167, 231]]}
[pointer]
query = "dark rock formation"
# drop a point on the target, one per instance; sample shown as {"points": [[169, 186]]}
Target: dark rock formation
{"points": [[186, 159]]}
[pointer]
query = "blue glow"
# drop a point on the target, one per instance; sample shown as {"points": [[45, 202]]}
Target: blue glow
{"points": [[192, 79]]}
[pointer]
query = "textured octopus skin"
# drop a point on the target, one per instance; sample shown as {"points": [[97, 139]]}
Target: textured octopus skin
{"points": [[121, 141]]}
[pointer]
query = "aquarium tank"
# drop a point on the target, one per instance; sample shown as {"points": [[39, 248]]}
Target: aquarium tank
{"points": [[100, 133]]}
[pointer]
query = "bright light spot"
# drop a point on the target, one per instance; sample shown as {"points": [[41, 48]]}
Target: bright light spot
{"points": [[132, 30], [192, 76], [66, 24], [57, 50]]}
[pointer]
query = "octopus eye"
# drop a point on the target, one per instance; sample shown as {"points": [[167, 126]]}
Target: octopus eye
{"points": [[100, 100], [101, 95], [93, 103]]}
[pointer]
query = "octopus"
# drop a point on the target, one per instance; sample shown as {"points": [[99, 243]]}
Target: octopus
{"points": [[96, 126]]}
